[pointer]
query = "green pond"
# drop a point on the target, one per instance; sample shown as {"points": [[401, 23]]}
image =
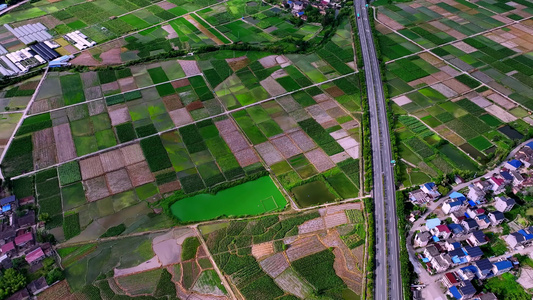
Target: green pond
{"points": [[250, 198], [312, 193]]}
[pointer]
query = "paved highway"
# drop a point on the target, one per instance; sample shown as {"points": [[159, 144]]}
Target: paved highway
{"points": [[388, 281]]}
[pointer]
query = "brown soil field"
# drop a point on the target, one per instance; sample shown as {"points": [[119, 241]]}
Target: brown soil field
{"points": [[91, 167], [246, 157], [127, 84], [169, 187], [89, 79], [132, 154], [111, 86], [286, 123], [43, 138], [180, 83], [96, 107], [85, 59], [312, 226], [337, 158], [119, 114], [268, 61], [336, 219], [112, 56], [272, 87], [180, 116], [350, 125], [286, 146], [320, 160], [269, 153], [60, 290], [338, 208], [335, 92], [195, 105], [279, 74], [172, 102], [261, 250], [150, 264], [203, 30], [64, 143], [336, 112], [112, 160], [321, 98], [225, 126], [238, 63], [93, 93], [44, 157], [303, 247], [118, 181], [235, 141], [190, 67], [39, 106], [275, 264], [166, 5], [140, 174], [303, 141], [328, 104], [96, 188]]}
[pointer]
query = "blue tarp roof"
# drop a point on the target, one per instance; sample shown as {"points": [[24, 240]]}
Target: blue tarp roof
{"points": [[432, 223], [425, 259], [436, 238], [455, 292], [502, 265], [515, 163], [472, 203], [456, 195], [530, 145], [301, 13], [429, 185], [7, 200], [6, 208], [525, 234]]}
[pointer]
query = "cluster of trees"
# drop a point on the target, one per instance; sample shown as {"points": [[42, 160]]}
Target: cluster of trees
{"points": [[371, 249], [10, 282]]}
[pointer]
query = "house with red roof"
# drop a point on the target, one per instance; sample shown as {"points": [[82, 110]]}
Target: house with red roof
{"points": [[498, 184], [35, 256], [450, 279], [441, 231], [7, 248], [24, 239]]}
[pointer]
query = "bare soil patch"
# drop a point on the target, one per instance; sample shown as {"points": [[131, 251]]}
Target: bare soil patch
{"points": [[246, 157], [261, 250], [336, 219], [91, 167], [127, 84], [112, 160], [64, 143], [44, 157], [302, 140], [172, 102], [85, 59], [335, 92], [235, 141], [180, 116], [180, 83], [268, 61], [132, 154], [286, 146], [320, 160], [111, 86], [203, 30], [269, 153], [150, 264], [140, 174], [500, 113], [93, 93], [118, 181], [169, 187], [190, 67], [96, 188], [303, 247], [275, 264], [166, 5], [312, 226], [119, 115], [272, 87], [501, 101], [111, 57], [225, 126], [43, 138], [39, 106], [238, 63]]}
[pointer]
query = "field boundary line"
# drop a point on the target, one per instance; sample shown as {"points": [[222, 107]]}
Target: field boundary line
{"points": [[224, 35], [19, 123], [225, 113]]}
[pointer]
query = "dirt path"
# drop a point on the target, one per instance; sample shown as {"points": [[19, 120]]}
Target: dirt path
{"points": [[203, 29]]}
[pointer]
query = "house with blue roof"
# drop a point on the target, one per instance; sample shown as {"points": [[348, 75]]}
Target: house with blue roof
{"points": [[477, 238], [501, 267], [530, 145], [455, 195], [431, 190], [456, 229], [507, 177], [452, 205], [472, 253], [484, 267], [513, 164], [496, 218], [464, 291], [432, 223], [8, 204], [468, 272], [458, 256]]}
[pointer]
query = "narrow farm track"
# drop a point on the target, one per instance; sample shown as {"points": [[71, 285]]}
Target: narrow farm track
{"points": [[24, 114], [226, 113]]}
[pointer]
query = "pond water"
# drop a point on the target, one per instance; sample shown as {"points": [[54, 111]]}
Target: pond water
{"points": [[474, 153], [250, 198], [312, 193], [510, 132]]}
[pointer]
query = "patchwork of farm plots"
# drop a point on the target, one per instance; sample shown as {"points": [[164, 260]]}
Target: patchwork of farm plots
{"points": [[315, 253], [271, 256], [130, 135], [456, 92]]}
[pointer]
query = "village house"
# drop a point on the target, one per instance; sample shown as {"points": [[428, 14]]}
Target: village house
{"points": [[470, 225], [456, 229], [431, 190], [483, 185], [458, 256], [8, 204], [525, 155], [507, 177], [504, 204], [452, 245], [23, 240], [431, 251], [37, 286], [498, 184], [474, 212], [464, 291], [432, 223], [501, 267], [418, 197], [496, 218], [457, 218], [513, 164], [484, 266], [514, 240], [441, 262], [441, 231], [450, 279], [468, 272], [483, 221], [472, 253], [422, 239], [35, 256], [477, 238], [517, 178], [451, 206], [487, 296]]}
